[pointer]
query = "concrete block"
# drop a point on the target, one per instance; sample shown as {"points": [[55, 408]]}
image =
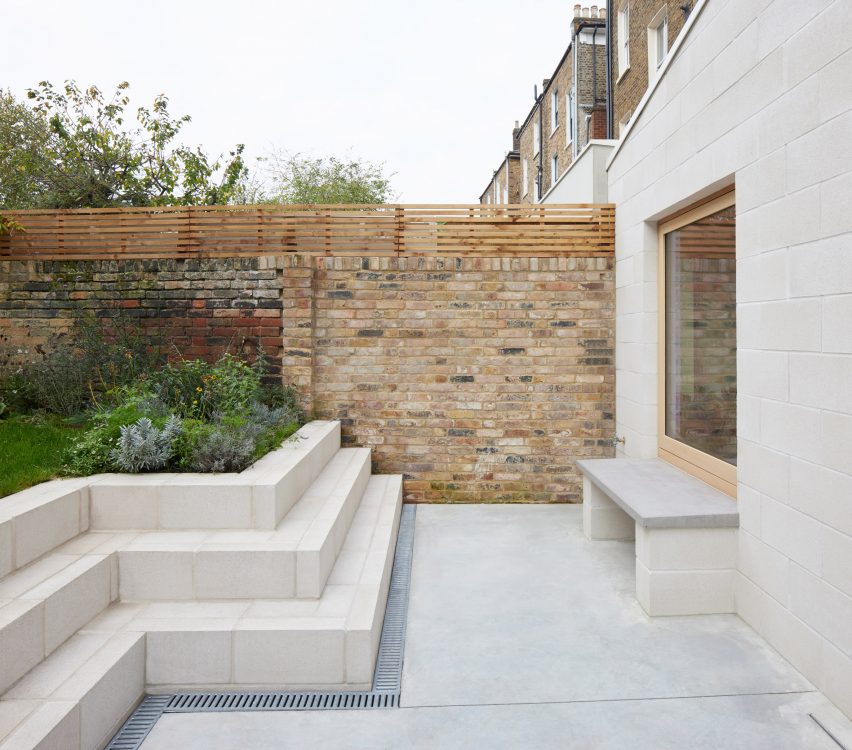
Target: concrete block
{"points": [[686, 549], [72, 597], [307, 652], [244, 573], [836, 333], [124, 502], [837, 559], [7, 561], [155, 574], [108, 686], [54, 519], [792, 533], [54, 725], [684, 592], [836, 678], [198, 501], [602, 518], [825, 608], [21, 640], [764, 566], [188, 657]]}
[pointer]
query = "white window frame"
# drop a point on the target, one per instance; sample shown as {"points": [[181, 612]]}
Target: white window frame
{"points": [[658, 37], [554, 169], [526, 177], [536, 138], [623, 40], [554, 111]]}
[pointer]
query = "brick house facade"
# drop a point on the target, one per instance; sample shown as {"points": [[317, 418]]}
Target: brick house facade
{"points": [[632, 69], [569, 111], [580, 98]]}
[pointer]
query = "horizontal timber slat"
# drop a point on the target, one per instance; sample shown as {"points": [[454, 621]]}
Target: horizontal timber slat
{"points": [[392, 229]]}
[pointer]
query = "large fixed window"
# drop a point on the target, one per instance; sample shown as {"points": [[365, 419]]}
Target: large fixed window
{"points": [[698, 342]]}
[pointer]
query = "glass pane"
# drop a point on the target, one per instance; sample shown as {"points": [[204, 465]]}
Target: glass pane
{"points": [[701, 335]]}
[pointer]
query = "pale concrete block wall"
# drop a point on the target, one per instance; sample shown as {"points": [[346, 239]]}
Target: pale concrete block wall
{"points": [[758, 95]]}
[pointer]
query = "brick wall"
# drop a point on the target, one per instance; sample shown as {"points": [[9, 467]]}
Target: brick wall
{"points": [[629, 87], [479, 379], [203, 307]]}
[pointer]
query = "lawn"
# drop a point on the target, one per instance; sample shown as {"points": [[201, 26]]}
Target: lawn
{"points": [[31, 450]]}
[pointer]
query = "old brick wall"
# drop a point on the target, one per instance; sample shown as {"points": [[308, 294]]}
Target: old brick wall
{"points": [[479, 379], [202, 307]]}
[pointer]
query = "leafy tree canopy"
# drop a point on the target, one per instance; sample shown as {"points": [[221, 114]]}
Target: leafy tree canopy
{"points": [[74, 148], [293, 178]]}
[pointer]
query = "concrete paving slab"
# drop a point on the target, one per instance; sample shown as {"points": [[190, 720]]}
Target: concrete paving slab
{"points": [[765, 722], [521, 633]]}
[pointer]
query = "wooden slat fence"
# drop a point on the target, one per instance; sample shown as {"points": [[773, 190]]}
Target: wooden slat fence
{"points": [[391, 229]]}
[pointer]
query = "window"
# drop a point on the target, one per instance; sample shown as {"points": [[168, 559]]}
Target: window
{"points": [[554, 170], [537, 186], [536, 138], [698, 349], [569, 109], [525, 180], [623, 32], [658, 43], [554, 111], [488, 198]]}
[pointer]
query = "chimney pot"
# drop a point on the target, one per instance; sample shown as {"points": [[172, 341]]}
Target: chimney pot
{"points": [[585, 12], [577, 10], [594, 11], [602, 12]]}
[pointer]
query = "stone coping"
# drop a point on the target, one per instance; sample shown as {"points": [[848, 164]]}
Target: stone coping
{"points": [[659, 496]]}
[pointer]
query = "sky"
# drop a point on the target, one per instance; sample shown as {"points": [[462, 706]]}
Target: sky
{"points": [[430, 89]]}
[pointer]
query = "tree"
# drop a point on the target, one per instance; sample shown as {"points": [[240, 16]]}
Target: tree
{"points": [[300, 179], [76, 149]]}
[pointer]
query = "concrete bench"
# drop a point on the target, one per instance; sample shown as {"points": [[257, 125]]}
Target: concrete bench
{"points": [[685, 532]]}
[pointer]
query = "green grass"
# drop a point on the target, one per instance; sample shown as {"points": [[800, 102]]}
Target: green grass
{"points": [[31, 450]]}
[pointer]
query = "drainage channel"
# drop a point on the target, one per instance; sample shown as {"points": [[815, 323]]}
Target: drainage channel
{"points": [[387, 679]]}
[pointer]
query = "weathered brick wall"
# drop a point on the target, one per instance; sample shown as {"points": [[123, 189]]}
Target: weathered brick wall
{"points": [[202, 307], [479, 379]]}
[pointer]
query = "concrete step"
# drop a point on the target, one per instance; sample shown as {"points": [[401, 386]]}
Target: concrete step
{"points": [[293, 561], [78, 697], [46, 603], [297, 644], [39, 519], [257, 498]]}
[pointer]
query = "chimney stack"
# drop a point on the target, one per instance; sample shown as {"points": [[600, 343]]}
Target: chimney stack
{"points": [[516, 137]]}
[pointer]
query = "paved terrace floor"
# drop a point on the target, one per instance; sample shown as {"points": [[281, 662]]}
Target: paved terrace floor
{"points": [[522, 634]]}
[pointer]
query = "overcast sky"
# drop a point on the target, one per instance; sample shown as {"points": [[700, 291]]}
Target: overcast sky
{"points": [[429, 88]]}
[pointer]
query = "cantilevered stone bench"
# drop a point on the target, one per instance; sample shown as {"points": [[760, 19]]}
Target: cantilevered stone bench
{"points": [[685, 532]]}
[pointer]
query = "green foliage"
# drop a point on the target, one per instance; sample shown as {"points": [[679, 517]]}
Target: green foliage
{"points": [[34, 446], [73, 148], [78, 367], [300, 179], [144, 447]]}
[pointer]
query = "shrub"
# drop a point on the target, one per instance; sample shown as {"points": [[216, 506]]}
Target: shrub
{"points": [[144, 447]]}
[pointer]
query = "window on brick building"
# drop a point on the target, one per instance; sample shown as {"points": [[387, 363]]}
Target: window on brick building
{"points": [[536, 138], [623, 40], [554, 170], [525, 177], [698, 331], [554, 111], [658, 42]]}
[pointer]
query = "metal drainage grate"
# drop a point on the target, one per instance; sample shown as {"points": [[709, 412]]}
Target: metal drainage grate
{"points": [[387, 679]]}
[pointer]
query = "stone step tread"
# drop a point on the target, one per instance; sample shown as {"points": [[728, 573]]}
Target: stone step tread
{"points": [[370, 540], [86, 665]]}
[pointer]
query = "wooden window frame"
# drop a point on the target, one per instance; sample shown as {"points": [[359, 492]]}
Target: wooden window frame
{"points": [[714, 471]]}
